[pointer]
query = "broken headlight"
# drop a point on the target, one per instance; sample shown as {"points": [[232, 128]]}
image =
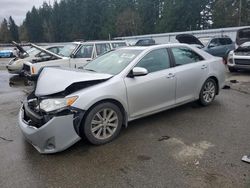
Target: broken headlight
{"points": [[49, 105]]}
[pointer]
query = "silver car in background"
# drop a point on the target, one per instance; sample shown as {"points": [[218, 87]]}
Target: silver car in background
{"points": [[114, 89]]}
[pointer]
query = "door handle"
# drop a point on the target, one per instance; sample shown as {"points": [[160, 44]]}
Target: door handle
{"points": [[170, 75], [203, 66]]}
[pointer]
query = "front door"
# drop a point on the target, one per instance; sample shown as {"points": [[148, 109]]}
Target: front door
{"points": [[155, 91]]}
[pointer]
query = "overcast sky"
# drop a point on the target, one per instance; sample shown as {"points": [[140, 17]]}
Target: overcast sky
{"points": [[18, 8]]}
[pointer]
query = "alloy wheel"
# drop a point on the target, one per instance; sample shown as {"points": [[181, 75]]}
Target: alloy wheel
{"points": [[209, 92], [104, 123]]}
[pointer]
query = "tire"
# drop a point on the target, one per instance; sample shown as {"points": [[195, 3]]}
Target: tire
{"points": [[208, 92], [232, 69], [99, 128]]}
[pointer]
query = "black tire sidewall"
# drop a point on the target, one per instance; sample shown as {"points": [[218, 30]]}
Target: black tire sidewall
{"points": [[87, 123], [201, 99]]}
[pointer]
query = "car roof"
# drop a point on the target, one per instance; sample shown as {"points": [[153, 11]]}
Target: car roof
{"points": [[101, 42], [212, 37], [157, 46]]}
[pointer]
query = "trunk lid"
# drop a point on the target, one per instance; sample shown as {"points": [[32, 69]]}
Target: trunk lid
{"points": [[243, 36], [188, 39]]}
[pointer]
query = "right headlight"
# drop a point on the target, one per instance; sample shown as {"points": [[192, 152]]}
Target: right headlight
{"points": [[231, 54], [49, 105]]}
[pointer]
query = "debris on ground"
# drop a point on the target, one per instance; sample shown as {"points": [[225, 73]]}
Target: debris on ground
{"points": [[5, 139], [226, 87], [163, 138], [246, 159], [196, 162], [234, 81]]}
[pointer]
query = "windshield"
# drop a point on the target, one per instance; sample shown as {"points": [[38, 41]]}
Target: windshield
{"points": [[33, 51], [113, 62], [67, 50]]}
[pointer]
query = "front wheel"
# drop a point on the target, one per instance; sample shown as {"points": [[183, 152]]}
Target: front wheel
{"points": [[103, 123], [208, 92]]}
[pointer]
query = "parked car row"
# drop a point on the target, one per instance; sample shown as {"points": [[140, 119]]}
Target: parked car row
{"points": [[115, 88], [73, 55]]}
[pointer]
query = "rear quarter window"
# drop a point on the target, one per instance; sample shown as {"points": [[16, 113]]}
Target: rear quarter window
{"points": [[184, 55]]}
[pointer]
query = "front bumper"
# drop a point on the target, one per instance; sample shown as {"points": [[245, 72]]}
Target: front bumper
{"points": [[54, 136], [239, 62], [13, 70]]}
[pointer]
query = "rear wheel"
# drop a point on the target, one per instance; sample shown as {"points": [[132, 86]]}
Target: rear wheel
{"points": [[208, 92], [103, 123]]}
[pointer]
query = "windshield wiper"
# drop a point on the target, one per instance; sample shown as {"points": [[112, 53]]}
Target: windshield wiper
{"points": [[91, 70]]}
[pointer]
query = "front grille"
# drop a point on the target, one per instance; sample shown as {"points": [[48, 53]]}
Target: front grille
{"points": [[242, 53], [26, 68], [242, 61]]}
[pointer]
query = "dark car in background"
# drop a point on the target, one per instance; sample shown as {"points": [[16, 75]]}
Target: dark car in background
{"points": [[219, 46]]}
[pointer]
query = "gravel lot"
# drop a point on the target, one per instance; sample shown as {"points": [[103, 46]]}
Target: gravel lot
{"points": [[189, 146]]}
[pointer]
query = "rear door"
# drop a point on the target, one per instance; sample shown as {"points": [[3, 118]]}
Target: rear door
{"points": [[155, 91], [191, 72]]}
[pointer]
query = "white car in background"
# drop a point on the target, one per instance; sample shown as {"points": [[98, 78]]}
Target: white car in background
{"points": [[239, 59], [78, 58], [15, 65]]}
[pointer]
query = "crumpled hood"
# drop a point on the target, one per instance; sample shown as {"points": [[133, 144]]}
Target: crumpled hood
{"points": [[56, 80]]}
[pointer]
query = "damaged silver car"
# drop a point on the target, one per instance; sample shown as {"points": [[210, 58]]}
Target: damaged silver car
{"points": [[114, 89]]}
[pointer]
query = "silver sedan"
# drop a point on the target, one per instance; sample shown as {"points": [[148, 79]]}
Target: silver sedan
{"points": [[114, 89]]}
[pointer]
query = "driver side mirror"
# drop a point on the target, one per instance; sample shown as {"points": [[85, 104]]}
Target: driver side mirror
{"points": [[138, 71]]}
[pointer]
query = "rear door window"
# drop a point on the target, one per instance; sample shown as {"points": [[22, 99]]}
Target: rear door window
{"points": [[85, 51], [183, 56], [102, 48]]}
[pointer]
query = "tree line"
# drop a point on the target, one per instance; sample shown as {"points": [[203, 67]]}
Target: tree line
{"points": [[69, 20]]}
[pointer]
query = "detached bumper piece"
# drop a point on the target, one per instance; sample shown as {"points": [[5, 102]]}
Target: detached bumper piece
{"points": [[50, 133]]}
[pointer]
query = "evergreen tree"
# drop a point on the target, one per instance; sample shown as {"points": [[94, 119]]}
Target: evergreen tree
{"points": [[13, 30], [5, 36]]}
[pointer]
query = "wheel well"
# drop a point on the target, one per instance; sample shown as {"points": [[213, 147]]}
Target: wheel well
{"points": [[217, 83], [120, 106]]}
